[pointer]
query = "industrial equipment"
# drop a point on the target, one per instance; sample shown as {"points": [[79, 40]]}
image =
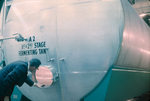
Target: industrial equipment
{"points": [[91, 50]]}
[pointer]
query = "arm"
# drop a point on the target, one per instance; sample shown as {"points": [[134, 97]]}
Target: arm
{"points": [[29, 81]]}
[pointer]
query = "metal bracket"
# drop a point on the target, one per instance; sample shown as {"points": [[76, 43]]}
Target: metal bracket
{"points": [[18, 37]]}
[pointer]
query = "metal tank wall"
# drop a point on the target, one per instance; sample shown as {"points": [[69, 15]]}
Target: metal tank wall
{"points": [[83, 37], [130, 76], [35, 20], [135, 49], [89, 41]]}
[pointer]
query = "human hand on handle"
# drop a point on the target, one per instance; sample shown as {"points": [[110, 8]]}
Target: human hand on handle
{"points": [[38, 85]]}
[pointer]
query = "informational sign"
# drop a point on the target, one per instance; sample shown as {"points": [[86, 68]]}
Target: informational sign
{"points": [[32, 47]]}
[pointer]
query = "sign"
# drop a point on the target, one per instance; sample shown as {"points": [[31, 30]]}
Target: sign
{"points": [[33, 47]]}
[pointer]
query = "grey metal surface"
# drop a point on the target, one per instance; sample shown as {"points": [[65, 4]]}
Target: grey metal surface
{"points": [[82, 40], [89, 35], [86, 34], [36, 21], [135, 50]]}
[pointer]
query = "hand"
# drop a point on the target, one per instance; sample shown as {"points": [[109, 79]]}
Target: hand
{"points": [[6, 98], [38, 85]]}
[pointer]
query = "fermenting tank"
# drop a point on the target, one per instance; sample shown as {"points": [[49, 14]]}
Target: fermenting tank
{"points": [[80, 40]]}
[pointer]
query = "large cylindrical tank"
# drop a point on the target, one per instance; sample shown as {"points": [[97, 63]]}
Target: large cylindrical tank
{"points": [[84, 38]]}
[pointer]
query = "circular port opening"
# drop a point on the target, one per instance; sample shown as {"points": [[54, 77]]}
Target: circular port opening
{"points": [[45, 75]]}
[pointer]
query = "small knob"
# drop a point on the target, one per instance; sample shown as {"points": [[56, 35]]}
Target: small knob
{"points": [[61, 59], [52, 59]]}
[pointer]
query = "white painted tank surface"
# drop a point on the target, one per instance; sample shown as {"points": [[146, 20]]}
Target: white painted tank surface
{"points": [[81, 39], [135, 50]]}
